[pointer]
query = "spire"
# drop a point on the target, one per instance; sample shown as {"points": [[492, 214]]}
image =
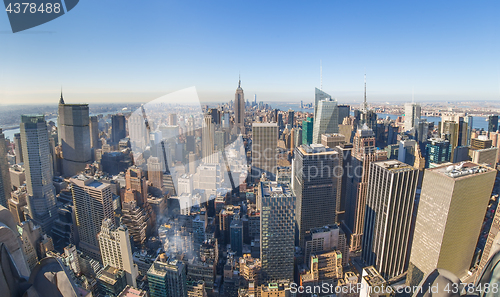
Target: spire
{"points": [[239, 80], [61, 100], [365, 105], [320, 76]]}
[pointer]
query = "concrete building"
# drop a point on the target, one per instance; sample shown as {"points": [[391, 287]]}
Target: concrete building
{"points": [[74, 137], [363, 153], [488, 156], [326, 119], [315, 183], [264, 144], [38, 166], [449, 219], [332, 140], [412, 116], [325, 239], [116, 250], [93, 203], [277, 231], [239, 108], [390, 199]]}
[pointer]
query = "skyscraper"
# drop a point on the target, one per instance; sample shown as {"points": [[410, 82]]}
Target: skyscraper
{"points": [[389, 209], [18, 148], [38, 166], [437, 151], [208, 141], [264, 144], [4, 173], [449, 219], [93, 202], [239, 108], [319, 95], [315, 184], [118, 124], [364, 152], [277, 231], [291, 119], [492, 123], [138, 131], [326, 119], [412, 115], [116, 251], [94, 132], [74, 137], [155, 175], [344, 112], [307, 130]]}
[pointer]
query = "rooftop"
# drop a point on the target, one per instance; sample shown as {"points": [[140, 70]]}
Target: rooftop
{"points": [[461, 169]]}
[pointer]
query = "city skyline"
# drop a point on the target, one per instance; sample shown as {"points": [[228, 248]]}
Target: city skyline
{"points": [[451, 56]]}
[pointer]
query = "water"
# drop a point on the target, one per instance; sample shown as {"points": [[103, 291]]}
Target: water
{"points": [[10, 132], [477, 123]]}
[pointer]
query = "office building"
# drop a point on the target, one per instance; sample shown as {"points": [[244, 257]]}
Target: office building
{"points": [[94, 132], [112, 281], [412, 116], [326, 119], [236, 236], [93, 202], [5, 185], [74, 137], [315, 184], [307, 130], [332, 140], [363, 153], [390, 198], [264, 144], [155, 176], [325, 239], [277, 231], [18, 148], [167, 277], [239, 108], [138, 130], [291, 119], [480, 143], [344, 112], [493, 123], [469, 120], [116, 251], [437, 151], [38, 166], [208, 141], [118, 128], [488, 157], [319, 95], [449, 219]]}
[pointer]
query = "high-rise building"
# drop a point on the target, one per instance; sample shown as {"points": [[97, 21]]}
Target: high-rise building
{"points": [[437, 151], [450, 131], [391, 194], [332, 140], [326, 119], [363, 152], [412, 115], [112, 281], [4, 173], [236, 236], [208, 141], [167, 277], [118, 124], [138, 130], [155, 175], [18, 150], [74, 137], [307, 130], [469, 120], [488, 157], [94, 132], [450, 214], [493, 123], [239, 107], [324, 239], [315, 184], [277, 231], [319, 95], [39, 175], [264, 144], [116, 251], [344, 112], [93, 202], [17, 203], [291, 119]]}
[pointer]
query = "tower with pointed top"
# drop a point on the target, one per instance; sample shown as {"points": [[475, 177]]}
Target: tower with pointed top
{"points": [[239, 107], [74, 136]]}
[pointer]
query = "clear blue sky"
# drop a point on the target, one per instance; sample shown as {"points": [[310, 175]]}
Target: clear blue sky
{"points": [[111, 50]]}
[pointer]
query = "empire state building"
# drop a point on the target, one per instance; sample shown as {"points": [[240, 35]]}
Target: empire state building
{"points": [[239, 107]]}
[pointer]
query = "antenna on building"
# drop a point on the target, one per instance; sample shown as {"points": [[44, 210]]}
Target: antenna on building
{"points": [[365, 105], [320, 76]]}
